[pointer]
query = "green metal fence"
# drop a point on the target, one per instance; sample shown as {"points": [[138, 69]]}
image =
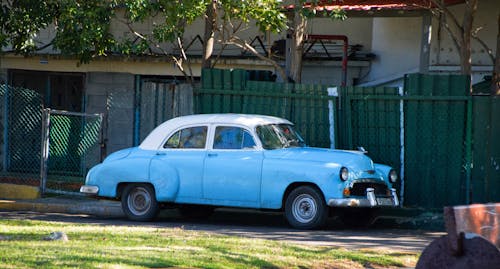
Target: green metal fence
{"points": [[228, 91], [424, 129], [485, 185], [437, 140], [372, 118], [21, 114]]}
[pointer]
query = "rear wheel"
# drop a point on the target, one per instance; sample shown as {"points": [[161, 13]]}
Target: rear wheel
{"points": [[305, 208], [139, 202]]}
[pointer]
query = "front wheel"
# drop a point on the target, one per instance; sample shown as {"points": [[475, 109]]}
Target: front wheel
{"points": [[139, 202], [305, 208]]}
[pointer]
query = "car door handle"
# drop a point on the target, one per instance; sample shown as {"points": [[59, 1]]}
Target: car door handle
{"points": [[161, 153], [212, 154]]}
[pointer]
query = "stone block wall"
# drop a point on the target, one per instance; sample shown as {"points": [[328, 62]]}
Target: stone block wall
{"points": [[113, 94]]}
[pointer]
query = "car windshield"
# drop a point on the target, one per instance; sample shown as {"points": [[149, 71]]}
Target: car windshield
{"points": [[277, 136]]}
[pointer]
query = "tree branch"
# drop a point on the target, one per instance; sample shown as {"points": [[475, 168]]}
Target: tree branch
{"points": [[183, 53], [244, 45], [443, 9], [452, 36], [178, 62], [485, 46]]}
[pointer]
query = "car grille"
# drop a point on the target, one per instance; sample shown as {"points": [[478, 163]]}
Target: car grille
{"points": [[359, 189]]}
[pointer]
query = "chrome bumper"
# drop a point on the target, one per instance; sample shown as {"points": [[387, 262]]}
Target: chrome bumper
{"points": [[370, 201], [89, 189]]}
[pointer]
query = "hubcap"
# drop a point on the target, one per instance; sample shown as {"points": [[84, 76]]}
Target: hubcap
{"points": [[304, 208], [139, 201]]}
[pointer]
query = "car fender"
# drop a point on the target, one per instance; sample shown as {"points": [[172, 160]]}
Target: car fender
{"points": [[384, 170], [165, 180], [278, 175], [108, 175]]}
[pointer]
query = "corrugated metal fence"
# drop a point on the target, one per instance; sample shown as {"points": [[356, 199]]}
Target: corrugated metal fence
{"points": [[225, 91], [424, 129]]}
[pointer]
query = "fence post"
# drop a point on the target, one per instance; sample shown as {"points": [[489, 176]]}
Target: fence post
{"points": [[137, 110], [45, 149], [332, 92], [402, 146], [102, 136]]}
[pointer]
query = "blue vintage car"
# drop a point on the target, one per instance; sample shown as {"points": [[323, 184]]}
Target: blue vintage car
{"points": [[200, 162]]}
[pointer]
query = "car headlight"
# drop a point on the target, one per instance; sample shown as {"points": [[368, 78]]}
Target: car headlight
{"points": [[344, 173], [393, 176]]}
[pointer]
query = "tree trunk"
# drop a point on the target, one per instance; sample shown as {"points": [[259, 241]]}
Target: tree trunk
{"points": [[495, 80], [465, 48], [463, 36], [208, 37], [297, 48]]}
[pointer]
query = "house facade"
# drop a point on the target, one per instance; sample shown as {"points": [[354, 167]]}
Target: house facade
{"points": [[384, 44]]}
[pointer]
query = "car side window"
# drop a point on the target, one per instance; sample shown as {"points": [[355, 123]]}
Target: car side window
{"points": [[227, 137], [188, 138]]}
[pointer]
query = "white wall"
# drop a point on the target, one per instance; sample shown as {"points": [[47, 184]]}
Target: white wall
{"points": [[396, 42], [443, 50], [444, 55], [113, 93]]}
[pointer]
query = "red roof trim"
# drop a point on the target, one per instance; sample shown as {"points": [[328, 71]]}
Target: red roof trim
{"points": [[367, 5]]}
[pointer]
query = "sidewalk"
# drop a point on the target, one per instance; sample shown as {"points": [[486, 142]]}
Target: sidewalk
{"points": [[65, 204]]}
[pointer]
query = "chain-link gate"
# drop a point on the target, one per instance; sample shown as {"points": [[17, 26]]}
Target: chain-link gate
{"points": [[71, 145]]}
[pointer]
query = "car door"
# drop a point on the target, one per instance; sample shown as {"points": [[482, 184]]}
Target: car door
{"points": [[232, 174], [185, 152]]}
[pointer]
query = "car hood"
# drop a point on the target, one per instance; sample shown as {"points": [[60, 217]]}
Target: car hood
{"points": [[351, 159]]}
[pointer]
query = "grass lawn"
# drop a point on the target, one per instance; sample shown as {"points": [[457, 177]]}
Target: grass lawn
{"points": [[99, 246]]}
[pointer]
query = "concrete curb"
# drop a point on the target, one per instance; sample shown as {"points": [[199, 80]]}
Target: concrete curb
{"points": [[71, 205], [15, 191]]}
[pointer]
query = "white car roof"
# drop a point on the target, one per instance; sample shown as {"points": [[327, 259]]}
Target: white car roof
{"points": [[154, 140]]}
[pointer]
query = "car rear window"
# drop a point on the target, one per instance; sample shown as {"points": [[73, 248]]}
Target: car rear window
{"points": [[188, 138]]}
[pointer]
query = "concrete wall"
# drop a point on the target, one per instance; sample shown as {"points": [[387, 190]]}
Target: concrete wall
{"points": [[113, 93], [444, 55], [443, 50], [396, 42]]}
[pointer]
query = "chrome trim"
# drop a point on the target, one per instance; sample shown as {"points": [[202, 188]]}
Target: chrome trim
{"points": [[369, 201], [349, 202], [370, 195], [89, 189], [395, 197]]}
